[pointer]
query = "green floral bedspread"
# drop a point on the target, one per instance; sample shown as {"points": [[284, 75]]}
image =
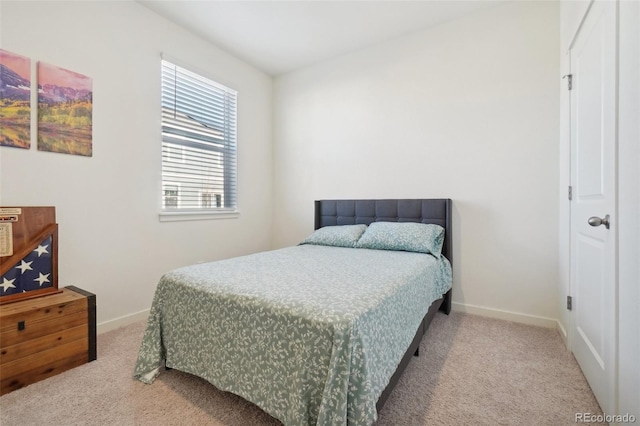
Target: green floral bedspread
{"points": [[311, 334]]}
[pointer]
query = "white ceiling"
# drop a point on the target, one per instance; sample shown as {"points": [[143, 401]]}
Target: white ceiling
{"points": [[281, 36]]}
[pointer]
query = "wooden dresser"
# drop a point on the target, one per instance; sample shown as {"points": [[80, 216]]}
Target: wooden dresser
{"points": [[44, 336]]}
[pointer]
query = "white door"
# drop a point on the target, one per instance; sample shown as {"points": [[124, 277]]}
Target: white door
{"points": [[593, 178]]}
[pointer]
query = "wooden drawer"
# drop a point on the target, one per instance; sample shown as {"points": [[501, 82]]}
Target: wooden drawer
{"points": [[42, 337]]}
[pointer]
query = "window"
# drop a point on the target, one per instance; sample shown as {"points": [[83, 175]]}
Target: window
{"points": [[171, 196], [198, 142]]}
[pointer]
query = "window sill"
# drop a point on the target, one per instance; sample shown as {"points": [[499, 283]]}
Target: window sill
{"points": [[178, 216]]}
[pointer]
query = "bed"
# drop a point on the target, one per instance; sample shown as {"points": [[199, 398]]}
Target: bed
{"points": [[313, 334]]}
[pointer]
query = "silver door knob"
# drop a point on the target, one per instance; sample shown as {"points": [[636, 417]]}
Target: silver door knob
{"points": [[596, 221]]}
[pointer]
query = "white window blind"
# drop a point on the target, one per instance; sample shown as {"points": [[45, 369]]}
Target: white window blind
{"points": [[198, 142]]}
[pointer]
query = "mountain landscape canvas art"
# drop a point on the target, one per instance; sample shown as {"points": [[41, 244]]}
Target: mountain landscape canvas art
{"points": [[65, 111], [15, 100]]}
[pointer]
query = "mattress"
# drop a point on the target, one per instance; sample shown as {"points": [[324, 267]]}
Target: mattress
{"points": [[311, 334]]}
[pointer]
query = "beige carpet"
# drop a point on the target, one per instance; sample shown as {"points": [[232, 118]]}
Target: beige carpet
{"points": [[471, 371]]}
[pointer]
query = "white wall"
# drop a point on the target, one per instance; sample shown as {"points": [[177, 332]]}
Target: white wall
{"points": [[111, 240], [466, 110]]}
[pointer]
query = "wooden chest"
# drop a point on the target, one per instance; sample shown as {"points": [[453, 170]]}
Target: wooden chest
{"points": [[42, 337]]}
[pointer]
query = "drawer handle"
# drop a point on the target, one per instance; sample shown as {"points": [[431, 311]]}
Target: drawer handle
{"points": [[21, 325]]}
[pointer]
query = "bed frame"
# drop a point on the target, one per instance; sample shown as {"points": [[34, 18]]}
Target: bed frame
{"points": [[352, 212]]}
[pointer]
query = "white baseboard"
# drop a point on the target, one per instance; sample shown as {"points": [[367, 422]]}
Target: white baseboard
{"points": [[563, 333], [505, 315], [103, 327], [459, 307]]}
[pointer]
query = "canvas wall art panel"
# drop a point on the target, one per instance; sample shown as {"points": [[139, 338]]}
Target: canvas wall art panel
{"points": [[65, 111], [15, 100]]}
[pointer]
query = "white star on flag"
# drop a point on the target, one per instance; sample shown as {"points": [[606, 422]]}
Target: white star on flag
{"points": [[42, 278], [7, 284], [25, 266], [41, 249]]}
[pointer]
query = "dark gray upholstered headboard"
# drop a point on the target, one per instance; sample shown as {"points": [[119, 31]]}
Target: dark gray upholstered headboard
{"points": [[351, 212]]}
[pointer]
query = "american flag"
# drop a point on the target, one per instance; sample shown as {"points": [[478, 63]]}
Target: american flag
{"points": [[33, 272]]}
